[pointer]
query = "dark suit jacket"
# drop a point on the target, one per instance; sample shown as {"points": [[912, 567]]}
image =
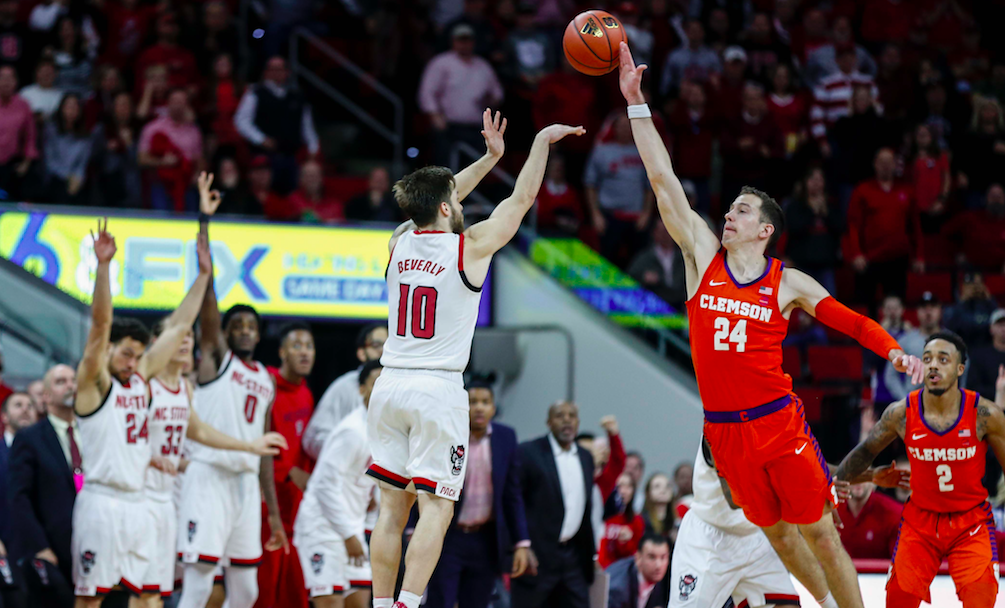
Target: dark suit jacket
{"points": [[5, 526], [542, 496], [509, 518], [624, 589], [41, 495]]}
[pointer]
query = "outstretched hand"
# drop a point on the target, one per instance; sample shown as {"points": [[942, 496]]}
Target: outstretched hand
{"points": [[104, 243], [891, 477], [269, 444], [554, 133], [908, 364], [630, 77], [493, 130], [209, 200]]}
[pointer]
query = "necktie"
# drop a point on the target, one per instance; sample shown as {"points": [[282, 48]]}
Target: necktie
{"points": [[75, 461]]}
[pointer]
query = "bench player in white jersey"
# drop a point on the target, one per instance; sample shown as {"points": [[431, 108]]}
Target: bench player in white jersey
{"points": [[418, 415], [330, 529], [110, 542], [220, 515], [719, 554], [169, 422]]}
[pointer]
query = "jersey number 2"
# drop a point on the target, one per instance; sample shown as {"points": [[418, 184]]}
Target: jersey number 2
{"points": [[945, 476], [738, 336], [423, 311]]}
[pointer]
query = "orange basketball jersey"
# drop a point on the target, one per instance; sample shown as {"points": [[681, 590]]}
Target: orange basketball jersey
{"points": [[947, 467], [736, 338]]}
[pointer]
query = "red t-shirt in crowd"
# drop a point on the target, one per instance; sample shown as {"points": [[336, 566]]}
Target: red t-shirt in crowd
{"points": [[612, 547], [927, 174], [883, 225], [873, 534], [290, 413], [692, 141], [180, 64], [791, 116], [552, 199], [568, 99], [981, 238], [607, 480]]}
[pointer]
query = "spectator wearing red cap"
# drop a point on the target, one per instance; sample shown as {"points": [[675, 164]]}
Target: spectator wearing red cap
{"points": [[180, 63], [311, 200], [171, 146], [871, 521]]}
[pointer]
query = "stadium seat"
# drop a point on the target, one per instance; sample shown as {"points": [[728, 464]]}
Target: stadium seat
{"points": [[939, 283], [996, 285], [792, 362], [835, 363], [938, 251]]}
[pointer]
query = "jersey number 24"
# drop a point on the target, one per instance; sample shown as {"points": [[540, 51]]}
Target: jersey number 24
{"points": [[423, 311], [723, 336]]}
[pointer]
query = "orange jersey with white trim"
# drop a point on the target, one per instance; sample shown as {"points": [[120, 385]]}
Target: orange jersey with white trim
{"points": [[946, 468], [736, 333]]}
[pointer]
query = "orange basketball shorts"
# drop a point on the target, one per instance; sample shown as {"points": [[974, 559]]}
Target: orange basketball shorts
{"points": [[772, 462], [966, 539]]}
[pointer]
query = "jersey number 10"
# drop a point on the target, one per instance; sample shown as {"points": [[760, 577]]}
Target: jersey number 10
{"points": [[423, 311]]}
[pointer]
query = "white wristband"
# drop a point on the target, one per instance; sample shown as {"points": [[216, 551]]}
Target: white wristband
{"points": [[639, 111]]}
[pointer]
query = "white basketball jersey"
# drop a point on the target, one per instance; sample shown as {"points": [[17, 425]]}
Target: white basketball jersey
{"points": [[113, 439], [432, 308], [234, 403], [709, 503], [167, 423]]}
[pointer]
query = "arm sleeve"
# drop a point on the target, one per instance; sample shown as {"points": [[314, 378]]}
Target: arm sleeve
{"points": [[244, 118], [864, 330], [21, 481], [608, 478]]}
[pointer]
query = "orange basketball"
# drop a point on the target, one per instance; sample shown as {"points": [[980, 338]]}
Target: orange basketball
{"points": [[591, 42]]}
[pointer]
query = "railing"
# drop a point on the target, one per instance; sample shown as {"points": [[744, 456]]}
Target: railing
{"points": [[395, 135]]}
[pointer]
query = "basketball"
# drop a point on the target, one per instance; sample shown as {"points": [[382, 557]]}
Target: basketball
{"points": [[591, 42]]}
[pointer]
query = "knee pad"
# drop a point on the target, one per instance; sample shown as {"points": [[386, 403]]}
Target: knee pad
{"points": [[980, 593], [897, 597]]}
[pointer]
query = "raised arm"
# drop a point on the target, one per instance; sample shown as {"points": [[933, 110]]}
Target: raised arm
{"points": [[685, 226], [93, 379], [211, 341], [890, 426], [181, 320], [800, 290], [492, 130], [485, 238]]}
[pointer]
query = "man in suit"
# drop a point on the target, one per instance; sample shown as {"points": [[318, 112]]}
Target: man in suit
{"points": [[489, 523], [44, 476], [16, 412], [642, 581], [557, 479]]}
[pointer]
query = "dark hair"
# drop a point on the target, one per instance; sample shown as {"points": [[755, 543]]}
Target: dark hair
{"points": [[629, 511], [636, 454], [586, 435], [363, 337], [933, 148], [771, 212], [45, 61], [367, 369], [481, 382], [656, 539], [127, 327], [6, 402], [291, 327], [237, 309], [953, 339], [78, 128], [78, 43], [420, 193]]}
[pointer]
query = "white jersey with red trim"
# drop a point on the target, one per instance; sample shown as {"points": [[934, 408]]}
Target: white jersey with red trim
{"points": [[432, 306], [167, 423], [234, 403], [113, 438]]}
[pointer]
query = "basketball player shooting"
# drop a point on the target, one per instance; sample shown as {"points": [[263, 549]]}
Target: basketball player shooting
{"points": [[947, 431], [111, 542], [417, 422], [738, 305]]}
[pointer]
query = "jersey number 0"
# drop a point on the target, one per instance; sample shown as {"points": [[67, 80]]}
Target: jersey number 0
{"points": [[423, 311]]}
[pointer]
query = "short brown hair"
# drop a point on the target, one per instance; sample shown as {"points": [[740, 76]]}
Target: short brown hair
{"points": [[771, 212], [420, 193]]}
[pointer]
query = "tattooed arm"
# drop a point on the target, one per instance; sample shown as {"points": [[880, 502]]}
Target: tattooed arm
{"points": [[991, 427], [889, 427]]}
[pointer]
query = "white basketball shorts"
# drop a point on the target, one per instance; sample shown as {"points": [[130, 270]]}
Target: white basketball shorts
{"points": [[326, 567], [417, 425], [220, 517], [111, 541], [710, 565], [160, 574]]}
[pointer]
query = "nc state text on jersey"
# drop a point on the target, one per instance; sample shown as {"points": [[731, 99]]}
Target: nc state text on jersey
{"points": [[420, 265], [251, 385], [736, 307], [131, 402]]}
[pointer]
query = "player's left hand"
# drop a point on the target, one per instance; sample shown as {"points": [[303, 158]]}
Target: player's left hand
{"points": [[269, 444], [278, 539], [103, 243], [493, 130], [524, 562], [891, 477], [908, 364], [354, 549], [610, 424], [630, 77], [842, 489], [164, 465]]}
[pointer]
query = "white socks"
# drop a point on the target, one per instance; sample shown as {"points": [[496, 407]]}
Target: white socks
{"points": [[410, 600], [827, 602]]}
